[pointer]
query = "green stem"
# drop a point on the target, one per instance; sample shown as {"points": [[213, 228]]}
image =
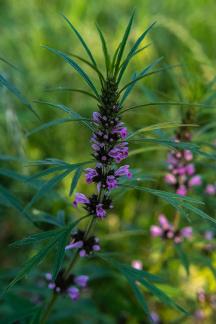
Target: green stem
{"points": [[48, 309]]}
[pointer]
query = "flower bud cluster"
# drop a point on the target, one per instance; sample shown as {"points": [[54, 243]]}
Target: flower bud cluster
{"points": [[165, 230], [70, 286]]}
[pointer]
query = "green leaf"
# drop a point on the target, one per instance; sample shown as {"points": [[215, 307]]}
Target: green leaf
{"points": [[162, 103], [46, 188], [183, 258], [75, 180], [52, 123], [123, 44], [133, 51], [69, 111], [13, 202], [135, 77], [36, 238], [163, 125], [72, 90], [105, 50], [11, 87], [75, 66], [85, 46], [182, 203], [33, 262], [59, 257], [148, 74]]}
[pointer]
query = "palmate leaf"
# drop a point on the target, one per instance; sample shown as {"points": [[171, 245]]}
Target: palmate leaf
{"points": [[133, 51], [72, 63], [58, 237], [181, 203], [33, 262], [122, 45], [13, 89], [144, 278], [85, 46], [69, 111]]}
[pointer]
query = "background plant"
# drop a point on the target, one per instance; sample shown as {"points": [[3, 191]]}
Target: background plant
{"points": [[163, 88]]}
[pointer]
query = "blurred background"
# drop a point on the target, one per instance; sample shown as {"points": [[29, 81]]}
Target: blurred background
{"points": [[185, 35]]}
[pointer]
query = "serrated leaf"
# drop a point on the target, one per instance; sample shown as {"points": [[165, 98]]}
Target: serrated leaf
{"points": [[72, 63]]}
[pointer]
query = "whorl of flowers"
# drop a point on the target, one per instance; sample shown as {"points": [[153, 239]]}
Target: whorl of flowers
{"points": [[109, 149], [70, 286], [167, 231], [85, 245], [182, 172]]}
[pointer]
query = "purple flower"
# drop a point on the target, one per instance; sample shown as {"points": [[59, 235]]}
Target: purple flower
{"points": [[81, 281], [82, 253], [209, 235], [195, 181], [111, 182], [73, 293], [119, 152], [51, 285], [75, 245], [96, 247], [80, 199], [90, 175], [190, 169], [96, 116], [210, 189], [187, 232], [123, 171], [48, 276], [100, 212], [122, 131]]}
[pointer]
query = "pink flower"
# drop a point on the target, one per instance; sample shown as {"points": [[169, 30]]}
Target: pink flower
{"points": [[210, 189], [137, 264], [156, 231], [188, 155], [190, 169], [195, 181], [164, 222], [182, 190], [170, 178]]}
